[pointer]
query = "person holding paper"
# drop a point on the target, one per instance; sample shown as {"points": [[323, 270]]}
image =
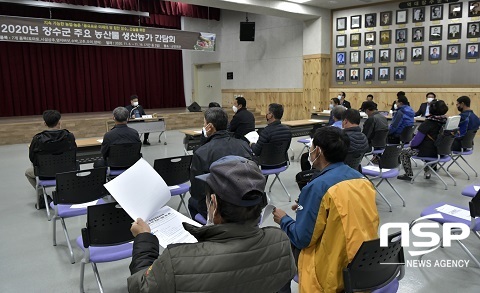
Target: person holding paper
{"points": [[219, 144], [335, 214], [232, 254], [275, 132], [135, 110]]}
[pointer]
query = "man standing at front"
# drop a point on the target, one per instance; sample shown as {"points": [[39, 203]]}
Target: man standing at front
{"points": [[243, 121], [336, 213], [135, 110]]}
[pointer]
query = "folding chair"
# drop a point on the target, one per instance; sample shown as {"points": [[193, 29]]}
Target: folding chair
{"points": [[176, 172], [46, 168], [378, 143], [274, 160], [305, 142], [106, 238], [72, 188], [353, 160], [304, 177], [407, 135], [467, 149], [374, 268], [122, 156], [388, 160]]}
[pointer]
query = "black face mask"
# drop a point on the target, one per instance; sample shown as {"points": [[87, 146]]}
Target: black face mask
{"points": [[459, 109]]}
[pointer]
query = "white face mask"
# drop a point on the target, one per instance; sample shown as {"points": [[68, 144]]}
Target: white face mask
{"points": [[395, 106], [331, 106], [310, 159], [235, 109], [429, 100], [340, 97], [204, 131], [209, 221], [135, 104]]}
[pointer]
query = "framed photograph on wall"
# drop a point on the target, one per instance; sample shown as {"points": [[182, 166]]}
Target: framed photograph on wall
{"points": [[472, 51], [341, 23], [369, 56], [340, 58], [384, 55], [385, 18], [385, 37], [418, 14], [341, 41], [354, 74], [384, 73], [401, 35], [400, 54], [371, 20], [340, 74], [355, 21], [355, 40], [401, 16], [473, 8], [370, 38], [434, 53], [454, 31], [455, 10], [453, 52], [473, 29], [355, 57], [417, 54], [436, 12], [435, 33], [418, 34], [369, 74], [400, 72]]}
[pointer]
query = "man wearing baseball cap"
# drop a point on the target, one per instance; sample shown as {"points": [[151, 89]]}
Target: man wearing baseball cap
{"points": [[232, 254]]}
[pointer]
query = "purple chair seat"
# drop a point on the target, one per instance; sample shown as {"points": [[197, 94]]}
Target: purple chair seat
{"points": [[115, 172], [465, 153], [443, 159], [199, 218], [182, 188], [100, 254], [273, 171], [391, 287], [469, 191], [47, 182], [448, 218], [389, 174], [304, 140], [66, 211]]}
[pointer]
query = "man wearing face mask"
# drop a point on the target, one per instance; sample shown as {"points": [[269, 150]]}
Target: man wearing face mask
{"points": [[468, 121], [333, 103], [243, 121], [343, 102], [219, 144], [232, 254], [135, 110], [404, 117], [335, 214], [424, 110]]}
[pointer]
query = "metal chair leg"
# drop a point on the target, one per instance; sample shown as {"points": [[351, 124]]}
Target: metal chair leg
{"points": [[284, 188], [72, 257], [97, 277], [46, 202], [301, 152], [475, 171], [274, 179], [82, 275], [454, 161], [182, 201], [475, 260], [450, 175], [399, 195], [54, 222], [384, 198]]}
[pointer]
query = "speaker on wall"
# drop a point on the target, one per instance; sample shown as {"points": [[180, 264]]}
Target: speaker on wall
{"points": [[194, 107], [247, 31]]}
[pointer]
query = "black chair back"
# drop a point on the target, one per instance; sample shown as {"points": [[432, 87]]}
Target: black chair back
{"points": [[444, 142], [80, 186], [389, 158], [367, 270], [379, 140], [407, 134], [107, 224], [123, 156], [353, 160], [474, 205], [302, 178], [49, 164], [467, 139], [274, 154], [174, 170]]}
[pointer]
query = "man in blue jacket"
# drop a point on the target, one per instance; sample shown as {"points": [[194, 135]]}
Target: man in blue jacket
{"points": [[403, 118], [468, 121]]}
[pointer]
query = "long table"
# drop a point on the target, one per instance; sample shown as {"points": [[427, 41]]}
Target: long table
{"points": [[88, 149], [148, 125]]}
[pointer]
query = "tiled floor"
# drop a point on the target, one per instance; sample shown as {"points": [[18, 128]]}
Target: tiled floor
{"points": [[29, 262]]}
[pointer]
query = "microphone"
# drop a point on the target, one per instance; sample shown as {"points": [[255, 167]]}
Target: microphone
{"points": [[130, 115]]}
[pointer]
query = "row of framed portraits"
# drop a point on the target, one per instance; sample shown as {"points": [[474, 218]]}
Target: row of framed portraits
{"points": [[455, 11], [384, 74], [434, 53], [418, 34]]}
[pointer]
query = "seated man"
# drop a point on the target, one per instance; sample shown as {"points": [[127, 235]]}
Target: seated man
{"points": [[424, 109], [232, 254], [219, 144], [404, 117], [53, 140], [335, 214], [375, 122], [119, 134], [337, 113], [136, 111], [358, 141], [369, 99], [243, 121], [468, 121], [333, 103]]}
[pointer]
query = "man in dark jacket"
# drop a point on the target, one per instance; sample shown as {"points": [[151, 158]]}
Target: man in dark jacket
{"points": [[219, 144], [232, 254], [343, 102], [403, 118], [275, 132], [243, 121], [53, 140], [358, 141], [424, 109], [136, 111], [375, 122], [468, 121]]}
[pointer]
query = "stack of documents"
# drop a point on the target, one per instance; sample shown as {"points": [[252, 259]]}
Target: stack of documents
{"points": [[252, 136]]}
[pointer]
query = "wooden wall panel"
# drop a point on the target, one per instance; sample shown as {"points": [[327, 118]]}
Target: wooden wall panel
{"points": [[316, 82]]}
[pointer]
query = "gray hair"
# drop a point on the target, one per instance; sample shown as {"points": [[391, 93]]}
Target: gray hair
{"points": [[337, 112], [120, 114]]}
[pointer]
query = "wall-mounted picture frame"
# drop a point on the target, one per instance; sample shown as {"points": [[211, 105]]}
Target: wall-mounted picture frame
{"points": [[340, 58], [400, 35], [455, 10], [435, 53], [400, 54], [340, 74], [385, 37], [454, 31], [473, 29], [435, 33], [418, 14], [371, 20], [453, 52], [370, 38], [436, 12], [369, 74], [341, 41], [472, 51], [385, 18], [369, 56], [355, 57], [355, 40], [354, 74], [417, 54], [473, 8], [401, 16], [355, 21], [341, 23], [384, 73], [400, 73], [384, 55], [418, 34]]}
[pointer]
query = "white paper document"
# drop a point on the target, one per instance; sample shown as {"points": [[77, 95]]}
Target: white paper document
{"points": [[476, 188], [84, 205], [376, 169], [197, 131], [252, 136], [315, 120], [455, 212], [100, 140], [267, 212]]}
